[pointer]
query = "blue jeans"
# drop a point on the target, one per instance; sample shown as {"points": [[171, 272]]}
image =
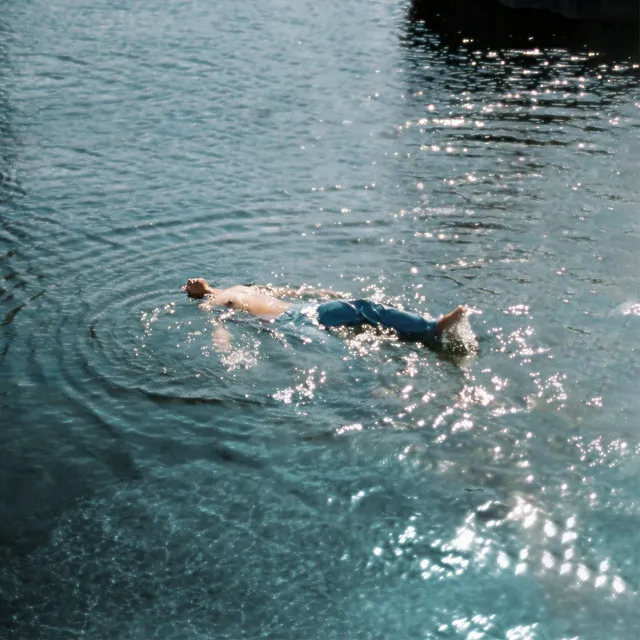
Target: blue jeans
{"points": [[353, 313]]}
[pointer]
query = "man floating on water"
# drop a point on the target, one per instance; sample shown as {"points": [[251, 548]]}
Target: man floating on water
{"points": [[265, 303]]}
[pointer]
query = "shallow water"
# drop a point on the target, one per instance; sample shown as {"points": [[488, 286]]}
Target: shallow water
{"points": [[315, 485]]}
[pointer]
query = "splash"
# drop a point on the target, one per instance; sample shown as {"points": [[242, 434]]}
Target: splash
{"points": [[460, 339], [631, 308]]}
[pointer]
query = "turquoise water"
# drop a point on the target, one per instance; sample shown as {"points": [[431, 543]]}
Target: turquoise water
{"points": [[343, 486]]}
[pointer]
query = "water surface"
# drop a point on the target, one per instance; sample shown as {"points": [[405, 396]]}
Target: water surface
{"points": [[344, 486]]}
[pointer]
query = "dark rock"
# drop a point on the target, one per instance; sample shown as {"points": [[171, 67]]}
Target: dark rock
{"points": [[493, 24], [607, 10]]}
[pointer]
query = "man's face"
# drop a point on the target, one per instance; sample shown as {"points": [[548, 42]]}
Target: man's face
{"points": [[196, 287]]}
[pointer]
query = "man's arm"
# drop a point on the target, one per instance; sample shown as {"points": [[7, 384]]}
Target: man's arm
{"points": [[221, 338]]}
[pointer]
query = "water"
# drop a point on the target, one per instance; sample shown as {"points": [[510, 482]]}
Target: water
{"points": [[349, 486]]}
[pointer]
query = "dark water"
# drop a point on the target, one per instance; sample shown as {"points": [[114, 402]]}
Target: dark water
{"points": [[352, 487]]}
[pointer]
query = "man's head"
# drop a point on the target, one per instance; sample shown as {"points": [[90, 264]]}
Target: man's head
{"points": [[196, 287]]}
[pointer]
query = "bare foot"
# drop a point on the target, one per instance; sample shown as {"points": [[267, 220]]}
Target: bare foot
{"points": [[451, 319]]}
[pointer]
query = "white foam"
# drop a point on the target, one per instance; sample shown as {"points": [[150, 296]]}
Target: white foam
{"points": [[627, 309]]}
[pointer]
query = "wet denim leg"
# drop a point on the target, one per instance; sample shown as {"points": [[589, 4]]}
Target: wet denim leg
{"points": [[339, 313], [343, 313]]}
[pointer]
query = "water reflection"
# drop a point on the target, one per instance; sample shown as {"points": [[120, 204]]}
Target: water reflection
{"points": [[491, 93], [504, 127], [10, 186], [49, 462], [494, 128], [474, 23]]}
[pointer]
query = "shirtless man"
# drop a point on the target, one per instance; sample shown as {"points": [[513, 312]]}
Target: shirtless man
{"points": [[265, 303]]}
